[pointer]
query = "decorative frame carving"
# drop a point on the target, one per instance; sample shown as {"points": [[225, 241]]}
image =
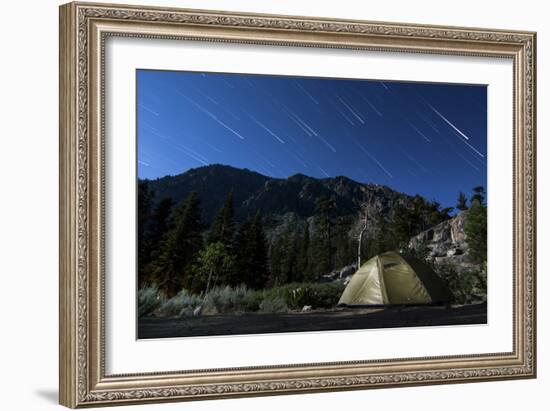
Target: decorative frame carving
{"points": [[83, 30]]}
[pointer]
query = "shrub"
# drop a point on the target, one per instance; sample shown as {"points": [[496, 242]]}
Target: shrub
{"points": [[297, 295], [181, 304], [252, 300], [467, 287], [240, 299], [149, 300], [326, 295], [231, 300], [273, 304]]}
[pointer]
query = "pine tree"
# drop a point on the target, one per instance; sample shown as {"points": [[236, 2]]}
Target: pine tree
{"points": [[434, 214], [345, 248], [382, 241], [404, 225], [303, 260], [462, 202], [386, 237], [260, 250], [251, 249], [478, 196], [476, 226], [476, 232], [243, 249], [145, 201], [275, 256], [325, 211], [173, 268], [223, 226], [289, 258], [411, 219], [160, 224], [214, 265]]}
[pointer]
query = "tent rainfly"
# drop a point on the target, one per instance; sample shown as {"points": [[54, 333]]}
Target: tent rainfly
{"points": [[391, 278]]}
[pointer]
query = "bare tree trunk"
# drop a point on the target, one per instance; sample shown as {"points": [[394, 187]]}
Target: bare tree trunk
{"points": [[360, 242], [208, 282]]}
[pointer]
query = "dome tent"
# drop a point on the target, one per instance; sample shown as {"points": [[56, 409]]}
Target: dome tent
{"points": [[391, 278]]}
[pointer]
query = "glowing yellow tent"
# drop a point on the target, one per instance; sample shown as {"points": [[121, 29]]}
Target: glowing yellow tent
{"points": [[391, 278]]}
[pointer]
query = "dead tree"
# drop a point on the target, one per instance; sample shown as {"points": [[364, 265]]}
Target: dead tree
{"points": [[361, 235]]}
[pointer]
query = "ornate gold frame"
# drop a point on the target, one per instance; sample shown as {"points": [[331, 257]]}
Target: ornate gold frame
{"points": [[83, 30]]}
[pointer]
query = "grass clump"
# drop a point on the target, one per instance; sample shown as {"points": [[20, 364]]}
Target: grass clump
{"points": [[149, 300], [298, 295], [241, 299], [272, 303], [182, 304]]}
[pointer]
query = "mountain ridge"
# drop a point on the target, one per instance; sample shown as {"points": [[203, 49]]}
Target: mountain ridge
{"points": [[311, 226], [253, 192]]}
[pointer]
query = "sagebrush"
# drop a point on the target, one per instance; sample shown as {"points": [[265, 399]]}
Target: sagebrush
{"points": [[240, 299]]}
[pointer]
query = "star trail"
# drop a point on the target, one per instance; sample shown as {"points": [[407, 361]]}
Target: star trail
{"points": [[424, 138]]}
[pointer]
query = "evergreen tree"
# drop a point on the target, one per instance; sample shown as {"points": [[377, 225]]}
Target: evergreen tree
{"points": [[383, 240], [476, 226], [414, 218], [462, 202], [275, 257], [387, 240], [243, 249], [160, 224], [251, 249], [320, 262], [404, 225], [325, 211], [345, 251], [145, 201], [223, 226], [420, 213], [214, 265], [434, 214], [303, 260], [260, 261], [478, 196], [289, 260], [173, 268]]}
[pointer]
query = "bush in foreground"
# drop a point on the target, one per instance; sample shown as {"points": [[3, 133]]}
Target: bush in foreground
{"points": [[149, 300], [273, 304], [224, 300], [469, 287], [298, 295], [240, 299], [181, 304]]}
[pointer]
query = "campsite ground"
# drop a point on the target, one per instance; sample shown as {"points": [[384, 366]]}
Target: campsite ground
{"points": [[339, 319]]}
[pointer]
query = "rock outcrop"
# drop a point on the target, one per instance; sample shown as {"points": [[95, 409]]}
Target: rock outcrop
{"points": [[343, 275], [445, 243]]}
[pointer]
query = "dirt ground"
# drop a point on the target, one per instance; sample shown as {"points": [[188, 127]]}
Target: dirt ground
{"points": [[337, 319]]}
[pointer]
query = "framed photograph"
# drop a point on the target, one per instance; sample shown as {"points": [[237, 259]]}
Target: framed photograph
{"points": [[258, 204]]}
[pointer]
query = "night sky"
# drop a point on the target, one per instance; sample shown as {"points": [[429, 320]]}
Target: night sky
{"points": [[423, 138]]}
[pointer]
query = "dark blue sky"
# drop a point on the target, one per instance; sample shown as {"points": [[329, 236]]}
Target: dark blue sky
{"points": [[423, 138]]}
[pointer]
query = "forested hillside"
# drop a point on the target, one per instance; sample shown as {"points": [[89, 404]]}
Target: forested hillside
{"points": [[220, 225]]}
